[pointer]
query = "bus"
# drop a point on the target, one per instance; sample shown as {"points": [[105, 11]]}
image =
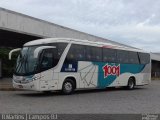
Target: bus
{"points": [[68, 64]]}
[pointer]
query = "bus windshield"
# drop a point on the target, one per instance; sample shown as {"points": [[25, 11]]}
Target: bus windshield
{"points": [[26, 63]]}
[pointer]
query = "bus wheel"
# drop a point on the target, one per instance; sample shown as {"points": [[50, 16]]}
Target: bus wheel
{"points": [[131, 84], [68, 87]]}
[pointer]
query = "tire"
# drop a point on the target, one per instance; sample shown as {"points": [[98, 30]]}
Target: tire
{"points": [[131, 84], [68, 87]]}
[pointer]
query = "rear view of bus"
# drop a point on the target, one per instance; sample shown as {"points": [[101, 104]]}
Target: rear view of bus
{"points": [[68, 64]]}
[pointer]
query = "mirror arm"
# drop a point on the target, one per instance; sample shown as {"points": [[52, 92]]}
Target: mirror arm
{"points": [[14, 50]]}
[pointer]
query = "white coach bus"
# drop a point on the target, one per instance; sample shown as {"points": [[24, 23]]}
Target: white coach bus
{"points": [[67, 64]]}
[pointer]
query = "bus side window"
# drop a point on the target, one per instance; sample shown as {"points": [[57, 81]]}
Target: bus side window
{"points": [[98, 54], [109, 55], [93, 53], [122, 56], [89, 53], [76, 53], [133, 57], [61, 47], [144, 58], [47, 59]]}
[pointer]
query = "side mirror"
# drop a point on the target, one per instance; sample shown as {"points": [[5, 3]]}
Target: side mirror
{"points": [[39, 49], [14, 50]]}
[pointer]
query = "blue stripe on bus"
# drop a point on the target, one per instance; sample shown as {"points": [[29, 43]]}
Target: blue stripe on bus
{"points": [[124, 68]]}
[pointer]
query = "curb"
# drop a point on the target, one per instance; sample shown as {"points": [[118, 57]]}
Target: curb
{"points": [[8, 89]]}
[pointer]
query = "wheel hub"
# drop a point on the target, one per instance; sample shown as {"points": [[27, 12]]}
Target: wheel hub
{"points": [[68, 86]]}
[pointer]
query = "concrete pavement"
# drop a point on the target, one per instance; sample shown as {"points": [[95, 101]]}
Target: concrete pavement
{"points": [[144, 99]]}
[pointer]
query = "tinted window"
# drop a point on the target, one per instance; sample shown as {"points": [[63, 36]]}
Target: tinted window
{"points": [[144, 58], [61, 47], [93, 53], [76, 52], [122, 56], [50, 57], [133, 57], [109, 55], [98, 54], [47, 58]]}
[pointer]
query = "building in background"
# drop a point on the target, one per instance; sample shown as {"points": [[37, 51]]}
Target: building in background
{"points": [[155, 65], [17, 29]]}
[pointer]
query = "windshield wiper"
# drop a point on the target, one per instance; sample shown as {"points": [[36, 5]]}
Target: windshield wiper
{"points": [[19, 66], [25, 64]]}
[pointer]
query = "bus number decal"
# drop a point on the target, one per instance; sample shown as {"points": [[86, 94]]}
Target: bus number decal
{"points": [[111, 70]]}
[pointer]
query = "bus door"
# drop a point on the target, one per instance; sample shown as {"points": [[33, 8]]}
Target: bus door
{"points": [[47, 62]]}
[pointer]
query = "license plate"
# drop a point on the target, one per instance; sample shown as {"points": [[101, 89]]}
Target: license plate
{"points": [[20, 86]]}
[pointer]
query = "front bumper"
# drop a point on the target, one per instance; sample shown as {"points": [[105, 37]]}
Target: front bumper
{"points": [[33, 85]]}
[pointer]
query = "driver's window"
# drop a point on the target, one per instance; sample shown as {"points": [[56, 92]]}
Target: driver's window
{"points": [[47, 59]]}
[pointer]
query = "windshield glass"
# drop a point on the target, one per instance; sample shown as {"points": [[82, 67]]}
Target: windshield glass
{"points": [[26, 63], [48, 58]]}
